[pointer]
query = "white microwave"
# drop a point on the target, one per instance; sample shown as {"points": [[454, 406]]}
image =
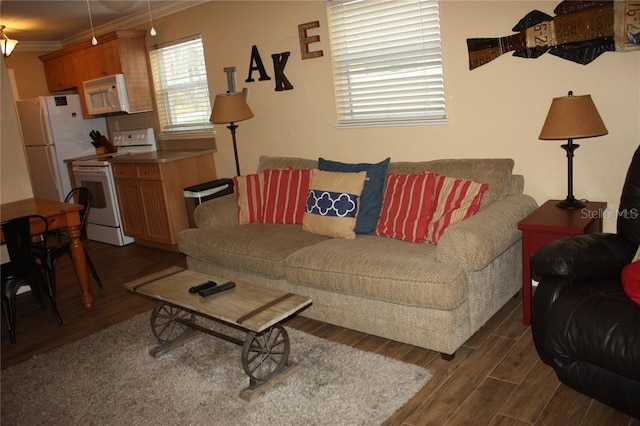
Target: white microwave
{"points": [[106, 95]]}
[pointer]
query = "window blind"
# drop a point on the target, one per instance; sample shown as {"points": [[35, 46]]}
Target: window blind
{"points": [[180, 85], [387, 62]]}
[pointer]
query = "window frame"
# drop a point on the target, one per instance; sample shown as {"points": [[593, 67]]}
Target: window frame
{"points": [[355, 51], [169, 130]]}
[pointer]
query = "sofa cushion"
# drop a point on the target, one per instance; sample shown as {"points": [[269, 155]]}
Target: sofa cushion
{"points": [[258, 248], [407, 207], [371, 200], [249, 197], [333, 203], [379, 268], [285, 194], [495, 172], [268, 162], [457, 200]]}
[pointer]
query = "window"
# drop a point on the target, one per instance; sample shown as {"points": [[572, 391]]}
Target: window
{"points": [[387, 62], [180, 84]]}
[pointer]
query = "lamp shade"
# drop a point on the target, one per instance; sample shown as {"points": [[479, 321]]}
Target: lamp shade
{"points": [[6, 44], [229, 108], [572, 117]]}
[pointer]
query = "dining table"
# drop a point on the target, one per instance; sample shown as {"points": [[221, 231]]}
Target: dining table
{"points": [[58, 215]]}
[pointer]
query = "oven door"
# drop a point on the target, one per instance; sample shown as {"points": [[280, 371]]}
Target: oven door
{"points": [[99, 181]]}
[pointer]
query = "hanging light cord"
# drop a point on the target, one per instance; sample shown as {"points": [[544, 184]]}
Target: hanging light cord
{"points": [[94, 41], [153, 30]]}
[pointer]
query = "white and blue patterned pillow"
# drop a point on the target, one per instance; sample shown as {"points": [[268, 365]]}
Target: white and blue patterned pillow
{"points": [[333, 202], [372, 193], [330, 203]]}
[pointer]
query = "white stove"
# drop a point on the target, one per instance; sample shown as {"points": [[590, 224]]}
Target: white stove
{"points": [[103, 222], [126, 142]]}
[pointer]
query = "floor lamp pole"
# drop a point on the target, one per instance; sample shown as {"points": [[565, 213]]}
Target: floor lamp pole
{"points": [[232, 126], [570, 202]]}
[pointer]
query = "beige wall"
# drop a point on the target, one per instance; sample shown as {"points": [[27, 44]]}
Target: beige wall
{"points": [[14, 175], [496, 110], [30, 79]]}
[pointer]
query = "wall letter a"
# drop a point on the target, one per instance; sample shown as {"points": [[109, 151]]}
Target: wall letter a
{"points": [[255, 58], [279, 62]]}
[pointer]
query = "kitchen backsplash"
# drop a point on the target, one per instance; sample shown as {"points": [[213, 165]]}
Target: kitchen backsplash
{"points": [[149, 119]]}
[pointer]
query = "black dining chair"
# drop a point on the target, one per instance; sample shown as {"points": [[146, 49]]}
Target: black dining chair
{"points": [[23, 269], [58, 242]]}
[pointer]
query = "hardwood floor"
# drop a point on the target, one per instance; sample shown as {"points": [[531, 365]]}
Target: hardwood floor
{"points": [[37, 330], [496, 378]]}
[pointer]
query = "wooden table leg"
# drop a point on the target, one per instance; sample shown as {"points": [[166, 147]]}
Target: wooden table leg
{"points": [[526, 291], [80, 265], [526, 277]]}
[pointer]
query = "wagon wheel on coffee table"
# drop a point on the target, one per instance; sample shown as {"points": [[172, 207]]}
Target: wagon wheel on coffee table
{"points": [[167, 323], [265, 354]]}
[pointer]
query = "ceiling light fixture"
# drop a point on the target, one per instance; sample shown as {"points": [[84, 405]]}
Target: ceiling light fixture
{"points": [[6, 44], [153, 30], [94, 41]]}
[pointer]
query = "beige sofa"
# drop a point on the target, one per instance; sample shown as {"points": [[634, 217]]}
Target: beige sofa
{"points": [[432, 296]]}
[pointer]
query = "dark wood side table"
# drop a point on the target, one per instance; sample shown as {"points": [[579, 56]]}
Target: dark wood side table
{"points": [[549, 223]]}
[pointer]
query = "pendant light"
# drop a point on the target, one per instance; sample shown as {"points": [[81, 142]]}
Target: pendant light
{"points": [[153, 30], [7, 44], [94, 41]]}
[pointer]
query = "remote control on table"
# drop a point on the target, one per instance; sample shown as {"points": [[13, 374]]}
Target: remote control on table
{"points": [[203, 286], [213, 290]]}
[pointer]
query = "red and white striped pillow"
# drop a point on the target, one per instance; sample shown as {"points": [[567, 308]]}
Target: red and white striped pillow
{"points": [[250, 198], [407, 206], [457, 199], [285, 195]]}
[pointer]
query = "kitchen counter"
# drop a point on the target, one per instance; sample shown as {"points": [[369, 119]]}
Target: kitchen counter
{"points": [[150, 188], [165, 156], [88, 157]]}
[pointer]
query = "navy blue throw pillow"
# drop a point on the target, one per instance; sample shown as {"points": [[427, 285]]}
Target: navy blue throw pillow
{"points": [[371, 198]]}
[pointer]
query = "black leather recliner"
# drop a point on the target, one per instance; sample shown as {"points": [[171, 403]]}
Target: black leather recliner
{"points": [[584, 325]]}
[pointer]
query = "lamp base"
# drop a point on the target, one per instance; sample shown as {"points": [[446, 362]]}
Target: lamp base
{"points": [[570, 203]]}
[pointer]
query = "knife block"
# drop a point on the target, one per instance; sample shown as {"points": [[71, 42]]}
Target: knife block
{"points": [[101, 150]]}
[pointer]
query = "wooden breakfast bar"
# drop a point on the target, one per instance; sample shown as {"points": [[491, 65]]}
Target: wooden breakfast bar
{"points": [[59, 215]]}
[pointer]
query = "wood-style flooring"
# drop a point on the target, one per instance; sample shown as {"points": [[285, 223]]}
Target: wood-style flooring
{"points": [[496, 378]]}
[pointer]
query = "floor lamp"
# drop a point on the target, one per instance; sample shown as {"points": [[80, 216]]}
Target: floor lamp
{"points": [[230, 108], [572, 117]]}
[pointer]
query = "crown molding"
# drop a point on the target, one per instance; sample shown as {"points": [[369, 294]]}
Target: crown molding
{"points": [[39, 46], [158, 11]]}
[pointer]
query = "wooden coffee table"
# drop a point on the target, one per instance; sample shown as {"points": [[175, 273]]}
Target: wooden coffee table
{"points": [[254, 309]]}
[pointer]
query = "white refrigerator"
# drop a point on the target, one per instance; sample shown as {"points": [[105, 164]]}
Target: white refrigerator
{"points": [[54, 130]]}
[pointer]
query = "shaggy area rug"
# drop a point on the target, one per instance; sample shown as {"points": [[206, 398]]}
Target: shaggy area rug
{"points": [[109, 378]]}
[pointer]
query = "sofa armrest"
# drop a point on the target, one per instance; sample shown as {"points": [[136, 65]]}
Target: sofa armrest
{"points": [[583, 256], [218, 212], [475, 242]]}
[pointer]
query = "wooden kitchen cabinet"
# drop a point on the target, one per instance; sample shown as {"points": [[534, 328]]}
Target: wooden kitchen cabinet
{"points": [[118, 52], [61, 73], [151, 197], [144, 213], [98, 61]]}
